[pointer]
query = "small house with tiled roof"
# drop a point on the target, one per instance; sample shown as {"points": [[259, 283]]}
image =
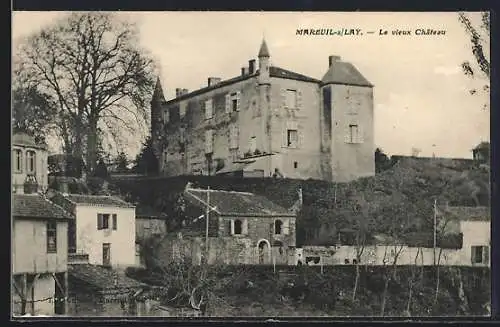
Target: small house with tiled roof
{"points": [[39, 254], [243, 227], [104, 228], [269, 122]]}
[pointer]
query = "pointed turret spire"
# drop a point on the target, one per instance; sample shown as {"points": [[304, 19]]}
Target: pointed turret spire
{"points": [[263, 52], [158, 93]]}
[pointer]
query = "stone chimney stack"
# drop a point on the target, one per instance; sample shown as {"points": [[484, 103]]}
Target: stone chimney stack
{"points": [[213, 81], [184, 91], [332, 59], [178, 92], [251, 66], [30, 185], [244, 71]]}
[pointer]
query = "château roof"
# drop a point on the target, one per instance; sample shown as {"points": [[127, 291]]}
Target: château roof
{"points": [[158, 92], [288, 74], [344, 73], [264, 51]]}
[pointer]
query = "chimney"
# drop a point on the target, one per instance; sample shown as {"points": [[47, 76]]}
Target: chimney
{"points": [[184, 91], [213, 80], [178, 92], [251, 66], [30, 185], [244, 71], [332, 59]]}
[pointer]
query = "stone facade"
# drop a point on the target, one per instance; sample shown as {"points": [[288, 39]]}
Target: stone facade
{"points": [[321, 129]]}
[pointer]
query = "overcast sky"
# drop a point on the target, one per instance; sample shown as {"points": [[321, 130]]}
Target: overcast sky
{"points": [[421, 96]]}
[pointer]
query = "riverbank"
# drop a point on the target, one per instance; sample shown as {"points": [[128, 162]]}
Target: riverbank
{"points": [[308, 291]]}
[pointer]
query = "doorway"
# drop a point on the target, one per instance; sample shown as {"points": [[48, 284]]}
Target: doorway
{"points": [[263, 247], [106, 254]]}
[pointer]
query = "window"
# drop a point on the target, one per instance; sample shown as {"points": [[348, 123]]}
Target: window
{"points": [[238, 227], [106, 254], [292, 138], [30, 161], [295, 164], [209, 141], [166, 116], [278, 224], [480, 254], [208, 109], [137, 249], [353, 134], [102, 221], [234, 136], [115, 222], [253, 144], [233, 101], [291, 99], [18, 160], [51, 237]]}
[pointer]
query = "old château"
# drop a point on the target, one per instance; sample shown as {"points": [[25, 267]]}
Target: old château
{"points": [[269, 121]]}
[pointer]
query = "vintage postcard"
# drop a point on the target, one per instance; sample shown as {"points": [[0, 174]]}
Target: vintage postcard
{"points": [[250, 164]]}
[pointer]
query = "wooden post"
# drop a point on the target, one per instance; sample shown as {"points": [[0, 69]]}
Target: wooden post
{"points": [[25, 294], [66, 293]]}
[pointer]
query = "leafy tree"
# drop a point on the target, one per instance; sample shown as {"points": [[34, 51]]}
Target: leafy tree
{"points": [[382, 161], [65, 165], [122, 162], [146, 161], [92, 66]]}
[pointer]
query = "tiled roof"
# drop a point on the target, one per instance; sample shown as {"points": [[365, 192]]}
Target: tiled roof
{"points": [[103, 278], [237, 203], [147, 211], [469, 213], [24, 139], [283, 73], [344, 73], [98, 200], [36, 206]]}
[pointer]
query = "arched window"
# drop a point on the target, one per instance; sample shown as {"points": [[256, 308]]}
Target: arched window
{"points": [[30, 161], [18, 160], [278, 224], [238, 227]]}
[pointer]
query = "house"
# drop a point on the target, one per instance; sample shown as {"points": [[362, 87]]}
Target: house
{"points": [[29, 162], [462, 239], [104, 228], [96, 291], [148, 224], [39, 254], [269, 121], [243, 228]]}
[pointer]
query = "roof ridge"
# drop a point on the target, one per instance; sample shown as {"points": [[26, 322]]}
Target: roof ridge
{"points": [[57, 205]]}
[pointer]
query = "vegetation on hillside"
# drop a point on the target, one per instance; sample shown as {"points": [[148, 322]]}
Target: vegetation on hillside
{"points": [[398, 201]]}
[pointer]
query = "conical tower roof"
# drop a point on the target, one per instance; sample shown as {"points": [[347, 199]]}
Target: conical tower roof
{"points": [[264, 51], [158, 93]]}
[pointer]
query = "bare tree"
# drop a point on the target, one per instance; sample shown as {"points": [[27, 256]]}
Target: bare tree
{"points": [[92, 65], [391, 275], [411, 281], [480, 43]]}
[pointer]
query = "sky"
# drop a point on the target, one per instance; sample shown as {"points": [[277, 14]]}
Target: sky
{"points": [[421, 97]]}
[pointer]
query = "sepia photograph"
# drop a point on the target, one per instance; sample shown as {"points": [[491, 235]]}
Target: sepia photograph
{"points": [[250, 164]]}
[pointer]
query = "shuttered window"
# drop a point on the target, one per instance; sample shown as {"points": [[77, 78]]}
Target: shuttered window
{"points": [[115, 222], [209, 141], [234, 132], [51, 237], [208, 109]]}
